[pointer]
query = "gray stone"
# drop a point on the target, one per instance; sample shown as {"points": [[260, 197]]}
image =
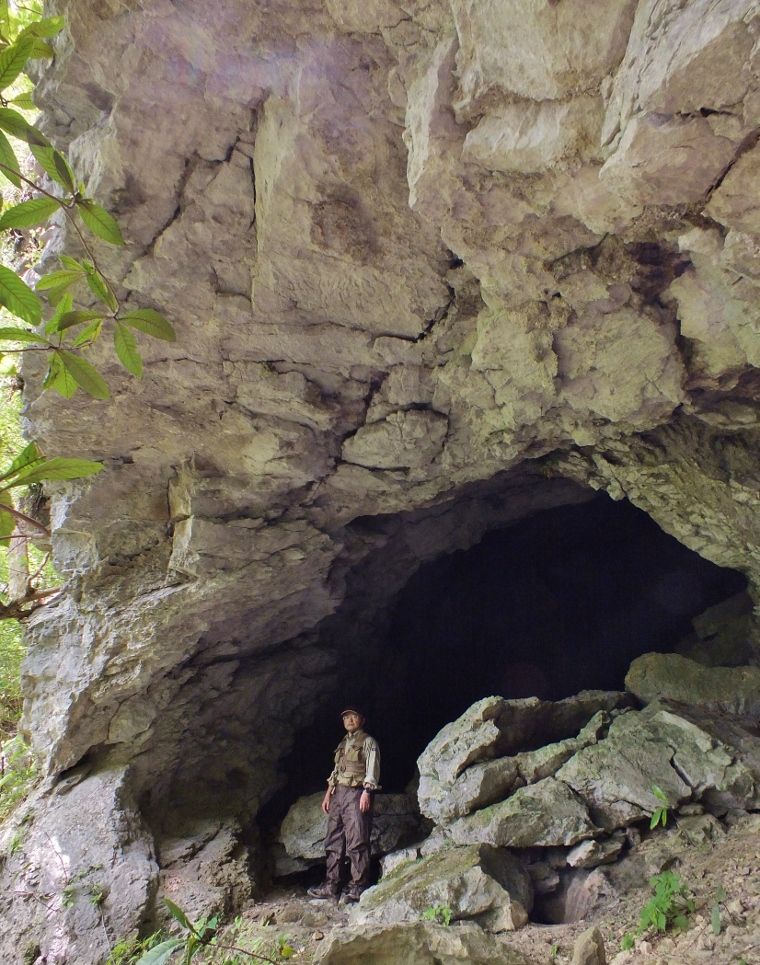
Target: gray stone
{"points": [[484, 783], [418, 943], [588, 948], [395, 821], [541, 815], [658, 747], [485, 884], [589, 854], [205, 868], [730, 690]]}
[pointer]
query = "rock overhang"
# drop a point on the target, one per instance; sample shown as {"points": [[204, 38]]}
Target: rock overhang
{"points": [[400, 265]]}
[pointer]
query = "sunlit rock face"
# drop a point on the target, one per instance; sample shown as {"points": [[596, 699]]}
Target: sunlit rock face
{"points": [[417, 254]]}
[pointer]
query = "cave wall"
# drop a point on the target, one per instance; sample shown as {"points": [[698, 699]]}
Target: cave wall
{"points": [[411, 249]]}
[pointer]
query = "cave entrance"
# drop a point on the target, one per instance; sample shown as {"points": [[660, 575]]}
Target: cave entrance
{"points": [[554, 604]]}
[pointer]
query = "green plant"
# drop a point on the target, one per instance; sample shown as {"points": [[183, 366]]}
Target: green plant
{"points": [[97, 894], [128, 951], [17, 773], [202, 935], [554, 952], [441, 914], [660, 814], [716, 922], [670, 905]]}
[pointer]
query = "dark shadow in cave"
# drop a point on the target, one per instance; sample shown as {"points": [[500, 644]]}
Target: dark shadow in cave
{"points": [[560, 602]]}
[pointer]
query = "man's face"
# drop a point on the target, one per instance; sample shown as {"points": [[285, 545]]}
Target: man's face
{"points": [[352, 722]]}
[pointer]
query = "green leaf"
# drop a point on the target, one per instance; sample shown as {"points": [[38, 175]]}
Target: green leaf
{"points": [[71, 263], [54, 164], [59, 379], [100, 222], [88, 334], [28, 213], [715, 921], [58, 279], [151, 322], [65, 304], [13, 60], [176, 912], [18, 297], [22, 335], [28, 455], [160, 954], [69, 319], [14, 124], [659, 794], [85, 375], [60, 467], [126, 350], [65, 174], [99, 287], [24, 101], [8, 161], [7, 521], [47, 27]]}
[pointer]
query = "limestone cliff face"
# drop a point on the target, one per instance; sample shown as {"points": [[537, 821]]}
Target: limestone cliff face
{"points": [[417, 252]]}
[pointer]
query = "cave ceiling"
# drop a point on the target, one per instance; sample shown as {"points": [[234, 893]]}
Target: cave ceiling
{"points": [[433, 264]]}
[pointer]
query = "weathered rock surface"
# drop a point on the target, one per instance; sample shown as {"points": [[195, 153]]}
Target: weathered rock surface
{"points": [[458, 772], [395, 822], [85, 838], [479, 882], [729, 690], [413, 254], [544, 814], [419, 943], [589, 948], [659, 747]]}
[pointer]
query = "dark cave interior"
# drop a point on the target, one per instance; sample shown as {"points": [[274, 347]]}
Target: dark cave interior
{"points": [[557, 603]]}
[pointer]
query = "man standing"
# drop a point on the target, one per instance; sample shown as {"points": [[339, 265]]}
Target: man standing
{"points": [[348, 806]]}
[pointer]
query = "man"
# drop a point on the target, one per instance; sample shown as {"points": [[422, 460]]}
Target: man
{"points": [[348, 806]]}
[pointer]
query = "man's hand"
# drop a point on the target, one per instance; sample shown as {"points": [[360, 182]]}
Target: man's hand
{"points": [[365, 802], [326, 800]]}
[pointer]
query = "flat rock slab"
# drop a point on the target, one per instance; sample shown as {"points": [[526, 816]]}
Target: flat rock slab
{"points": [[669, 676], [419, 943], [478, 882], [545, 814]]}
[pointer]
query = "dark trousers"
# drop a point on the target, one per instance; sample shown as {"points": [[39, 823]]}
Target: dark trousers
{"points": [[348, 833]]}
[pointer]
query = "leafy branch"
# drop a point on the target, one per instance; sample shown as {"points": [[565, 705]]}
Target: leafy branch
{"points": [[68, 331], [199, 935], [47, 318]]}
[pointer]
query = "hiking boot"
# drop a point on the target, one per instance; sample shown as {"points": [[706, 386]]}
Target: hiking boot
{"points": [[351, 896], [323, 891]]}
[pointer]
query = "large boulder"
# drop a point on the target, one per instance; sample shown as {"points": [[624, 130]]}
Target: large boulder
{"points": [[730, 690], [301, 837], [464, 767], [616, 777], [418, 943], [541, 815], [485, 884], [485, 783]]}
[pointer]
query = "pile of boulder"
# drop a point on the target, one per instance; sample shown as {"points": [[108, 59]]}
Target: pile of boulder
{"points": [[526, 798]]}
